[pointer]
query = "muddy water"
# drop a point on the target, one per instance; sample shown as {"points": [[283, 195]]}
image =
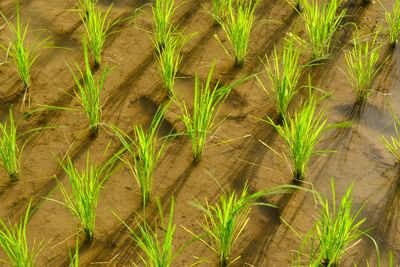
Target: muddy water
{"points": [[132, 92]]}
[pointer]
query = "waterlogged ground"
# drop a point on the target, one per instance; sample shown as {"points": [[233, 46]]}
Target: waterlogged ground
{"points": [[132, 92]]}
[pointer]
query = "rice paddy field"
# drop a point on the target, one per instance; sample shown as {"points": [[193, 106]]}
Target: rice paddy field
{"points": [[243, 146]]}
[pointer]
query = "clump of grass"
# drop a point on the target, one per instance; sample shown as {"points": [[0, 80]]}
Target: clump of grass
{"points": [[14, 242], [225, 221], [321, 23], [393, 147], [145, 152], [207, 103], [85, 5], [163, 11], [302, 134], [335, 232], [169, 59], [97, 29], [362, 65], [238, 27], [86, 185], [283, 79], [220, 9], [157, 245], [22, 53], [10, 154], [89, 92], [393, 23]]}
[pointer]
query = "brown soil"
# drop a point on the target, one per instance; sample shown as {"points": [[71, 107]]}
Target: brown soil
{"points": [[132, 93]]}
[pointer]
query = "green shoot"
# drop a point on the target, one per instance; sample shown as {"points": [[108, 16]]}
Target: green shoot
{"points": [[85, 5], [238, 27], [23, 54], [86, 184], [97, 29], [202, 123], [393, 147], [393, 22], [89, 92], [14, 242], [335, 232], [283, 82], [302, 134], [157, 245], [10, 154], [169, 58], [225, 221], [321, 23], [145, 152], [361, 62], [74, 260], [220, 9], [163, 11]]}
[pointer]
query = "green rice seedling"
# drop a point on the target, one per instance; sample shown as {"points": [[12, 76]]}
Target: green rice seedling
{"points": [[157, 245], [393, 22], [302, 134], [220, 9], [238, 27], [98, 29], [85, 5], [225, 221], [89, 92], [14, 242], [22, 53], [169, 58], [145, 152], [86, 185], [321, 23], [10, 154], [74, 260], [394, 146], [283, 79], [362, 65], [163, 11], [207, 103], [335, 232]]}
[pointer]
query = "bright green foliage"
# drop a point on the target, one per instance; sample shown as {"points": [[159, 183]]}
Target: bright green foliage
{"points": [[393, 23], [225, 221], [10, 154], [97, 29], [14, 242], [321, 23], [284, 73], [145, 152], [83, 197], [169, 58], [361, 62], [89, 92], [220, 9], [205, 110], [393, 147], [157, 245], [302, 134], [238, 27], [85, 5], [163, 11], [74, 260], [335, 232], [23, 54]]}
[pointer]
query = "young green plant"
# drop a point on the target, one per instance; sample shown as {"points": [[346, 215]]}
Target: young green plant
{"points": [[283, 79], [10, 154], [85, 5], [145, 151], [225, 221], [163, 11], [394, 146], [14, 242], [23, 55], [157, 245], [207, 103], [97, 29], [220, 9], [393, 22], [321, 23], [362, 65], [238, 27], [302, 134], [86, 185], [335, 232]]}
